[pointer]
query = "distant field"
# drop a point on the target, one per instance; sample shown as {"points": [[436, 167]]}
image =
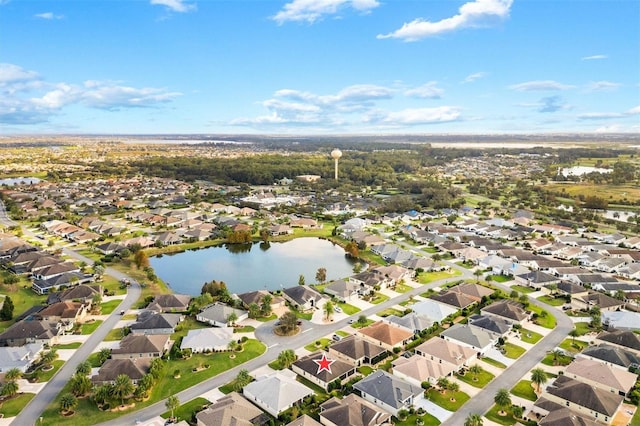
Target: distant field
{"points": [[608, 192]]}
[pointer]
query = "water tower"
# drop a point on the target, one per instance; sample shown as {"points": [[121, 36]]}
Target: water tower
{"points": [[336, 154]]}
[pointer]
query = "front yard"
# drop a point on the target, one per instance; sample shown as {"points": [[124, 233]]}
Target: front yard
{"points": [[525, 390], [483, 378], [451, 401]]}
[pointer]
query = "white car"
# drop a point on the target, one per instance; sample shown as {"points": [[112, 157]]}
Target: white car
{"points": [[338, 309]]}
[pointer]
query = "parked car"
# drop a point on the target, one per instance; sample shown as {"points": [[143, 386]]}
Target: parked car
{"points": [[338, 309], [351, 321], [336, 337]]}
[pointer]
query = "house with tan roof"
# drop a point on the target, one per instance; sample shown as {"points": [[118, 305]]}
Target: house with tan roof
{"points": [[170, 303], [135, 368], [357, 351], [74, 312], [353, 411], [142, 346], [385, 335], [307, 367], [601, 375], [447, 352], [418, 369], [565, 417], [232, 410], [507, 310], [454, 299]]}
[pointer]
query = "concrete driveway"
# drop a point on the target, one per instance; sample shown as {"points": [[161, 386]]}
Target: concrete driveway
{"points": [[432, 408]]}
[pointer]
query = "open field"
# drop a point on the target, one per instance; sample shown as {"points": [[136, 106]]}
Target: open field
{"points": [[610, 193]]}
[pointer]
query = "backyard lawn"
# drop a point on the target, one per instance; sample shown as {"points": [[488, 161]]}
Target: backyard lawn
{"points": [[523, 389], [553, 301], [12, 406], [451, 401], [529, 336], [512, 351], [483, 378], [187, 410], [493, 415]]}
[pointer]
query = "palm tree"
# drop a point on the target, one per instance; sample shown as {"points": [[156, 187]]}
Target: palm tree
{"points": [[80, 385], [122, 387], [477, 273], [265, 305], [556, 356], [103, 355], [232, 318], [286, 358], [254, 310], [502, 400], [242, 379], [443, 384], [13, 374], [83, 368], [172, 403], [156, 368], [68, 402], [48, 357], [233, 345], [473, 420], [10, 389], [539, 377], [328, 310], [101, 394], [574, 333], [453, 387], [475, 369]]}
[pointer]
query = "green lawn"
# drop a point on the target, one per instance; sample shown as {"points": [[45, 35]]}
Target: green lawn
{"points": [[466, 265], [523, 389], [342, 333], [522, 289], [113, 335], [402, 288], [493, 415], [365, 370], [378, 298], [583, 328], [428, 277], [494, 362], [562, 360], [45, 376], [635, 421], [11, 407], [348, 309], [187, 410], [312, 347], [544, 320], [427, 420], [390, 311], [483, 378], [87, 413], [573, 346], [93, 360], [75, 345], [304, 316], [445, 401], [499, 278], [553, 301], [358, 325], [512, 351], [275, 365], [244, 329], [90, 327], [107, 307], [529, 336], [23, 298], [269, 318]]}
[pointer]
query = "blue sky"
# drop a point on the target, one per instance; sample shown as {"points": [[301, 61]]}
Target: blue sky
{"points": [[319, 66]]}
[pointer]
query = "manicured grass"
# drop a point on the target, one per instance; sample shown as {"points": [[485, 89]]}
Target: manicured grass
{"points": [[445, 402], [244, 329], [428, 277], [465, 265], [635, 421], [74, 345], [427, 420], [342, 333], [358, 325], [269, 318], [348, 309], [553, 301], [111, 284], [523, 389], [512, 351], [583, 328], [546, 321], [113, 335], [402, 288], [22, 298], [378, 298], [493, 415], [93, 360], [529, 336], [107, 307], [365, 370], [45, 376], [562, 360], [12, 407], [275, 364], [499, 278], [304, 316], [610, 192], [483, 378], [494, 362], [87, 413], [522, 289], [187, 410], [312, 347], [390, 311], [229, 387], [90, 327], [572, 346]]}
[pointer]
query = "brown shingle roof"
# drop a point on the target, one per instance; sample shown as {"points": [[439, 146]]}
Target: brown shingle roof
{"points": [[386, 333]]}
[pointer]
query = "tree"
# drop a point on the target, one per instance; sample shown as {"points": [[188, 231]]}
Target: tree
{"points": [[321, 275], [596, 317], [47, 358], [453, 387], [80, 385], [475, 369], [328, 310], [477, 273], [557, 353], [6, 313], [539, 377], [156, 367], [254, 310], [83, 368], [141, 260], [242, 379], [352, 249], [233, 345], [288, 322], [98, 270], [232, 318], [362, 319], [357, 268], [265, 305], [502, 400], [13, 374], [172, 403], [574, 333], [473, 420], [517, 411], [68, 402], [103, 355], [301, 280], [122, 387], [101, 394], [10, 389], [443, 384], [286, 358]]}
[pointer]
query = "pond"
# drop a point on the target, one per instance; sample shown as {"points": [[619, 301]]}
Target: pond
{"points": [[250, 267]]}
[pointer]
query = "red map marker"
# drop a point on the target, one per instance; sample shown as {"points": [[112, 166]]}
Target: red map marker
{"points": [[324, 364]]}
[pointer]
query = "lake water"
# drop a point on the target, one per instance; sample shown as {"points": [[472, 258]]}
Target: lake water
{"points": [[19, 181], [253, 267]]}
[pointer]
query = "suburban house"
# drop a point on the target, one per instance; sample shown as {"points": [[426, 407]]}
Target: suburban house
{"points": [[170, 303], [446, 352], [257, 296], [433, 310], [418, 369], [411, 322], [478, 339], [385, 335], [304, 420], [491, 323], [565, 417], [72, 312], [454, 299], [303, 298], [592, 298], [536, 279], [135, 368], [152, 323], [621, 320], [601, 375], [55, 270], [343, 290], [276, 392], [625, 339], [208, 339], [387, 392], [142, 346], [473, 291], [353, 411], [612, 355], [357, 351], [33, 331], [20, 357], [66, 279], [80, 293], [508, 310], [231, 410], [218, 315], [307, 367]]}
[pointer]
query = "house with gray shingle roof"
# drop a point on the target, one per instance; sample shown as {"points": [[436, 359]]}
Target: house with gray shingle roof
{"points": [[625, 339], [476, 338], [218, 314], [141, 346], [353, 411], [152, 323], [508, 310], [357, 351], [307, 367], [387, 392], [612, 355], [303, 297], [276, 392]]}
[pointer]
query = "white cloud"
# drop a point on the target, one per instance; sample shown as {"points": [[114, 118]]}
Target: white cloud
{"points": [[594, 57], [473, 77], [602, 86], [48, 16], [599, 115], [634, 111], [539, 85], [473, 14], [429, 90], [416, 116], [26, 99], [312, 10], [181, 6]]}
